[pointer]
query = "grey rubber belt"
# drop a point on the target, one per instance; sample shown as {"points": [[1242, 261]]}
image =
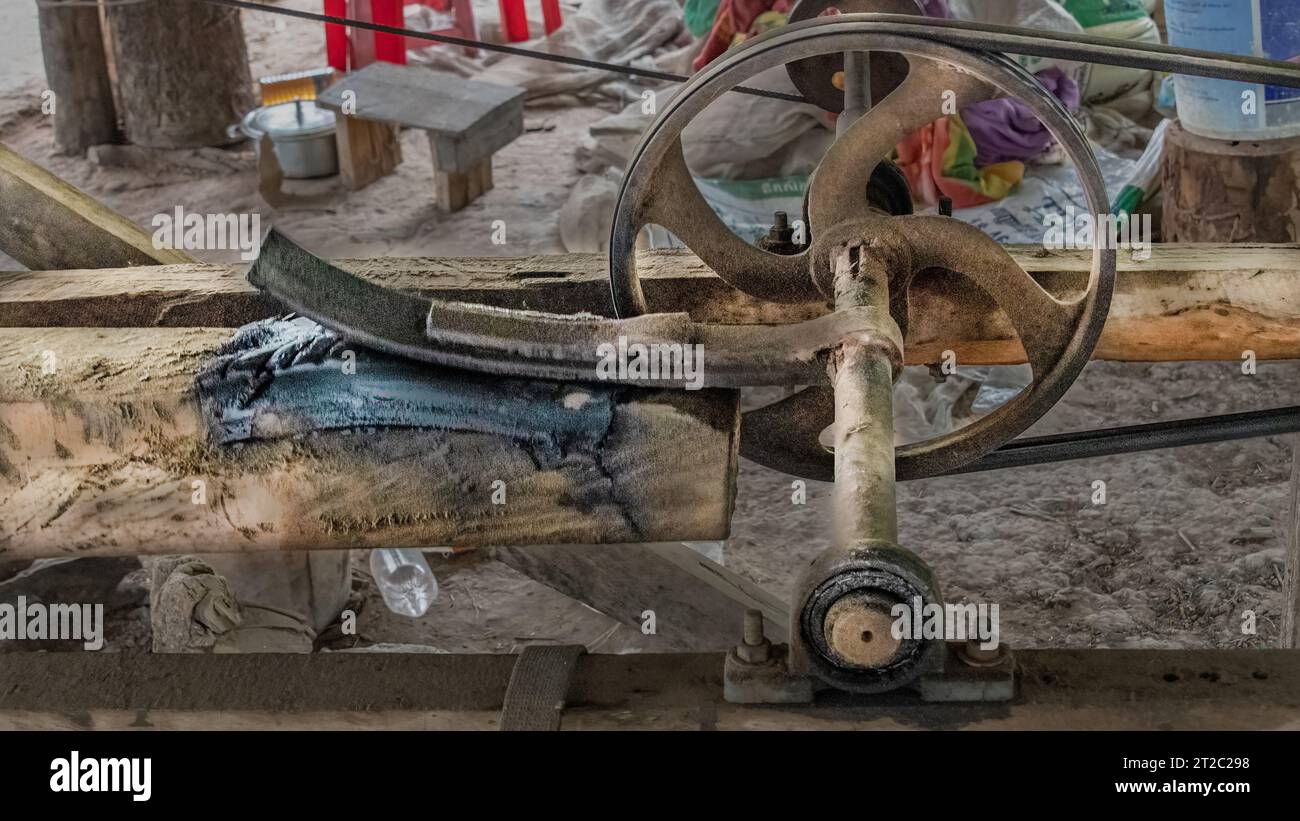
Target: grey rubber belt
{"points": [[539, 685]]}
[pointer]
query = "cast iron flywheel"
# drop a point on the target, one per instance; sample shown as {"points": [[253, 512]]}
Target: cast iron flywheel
{"points": [[1058, 335]]}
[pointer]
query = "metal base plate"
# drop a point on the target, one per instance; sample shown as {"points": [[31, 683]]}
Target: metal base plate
{"points": [[956, 679]]}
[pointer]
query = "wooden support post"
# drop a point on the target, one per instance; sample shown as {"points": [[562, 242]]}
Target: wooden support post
{"points": [[696, 604], [1230, 191], [368, 150], [50, 224], [76, 68], [182, 70]]}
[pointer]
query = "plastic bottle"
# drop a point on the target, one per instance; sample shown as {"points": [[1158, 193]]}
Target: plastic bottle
{"points": [[405, 580]]}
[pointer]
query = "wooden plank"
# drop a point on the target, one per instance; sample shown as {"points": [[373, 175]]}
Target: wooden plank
{"points": [[368, 150], [46, 223], [100, 458], [697, 604], [468, 121], [1058, 689], [1187, 302], [494, 131]]}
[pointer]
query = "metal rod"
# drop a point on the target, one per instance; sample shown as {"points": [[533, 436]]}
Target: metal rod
{"points": [[863, 375], [865, 507], [857, 89]]}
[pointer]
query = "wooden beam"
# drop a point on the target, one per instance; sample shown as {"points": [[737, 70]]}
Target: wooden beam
{"points": [[47, 223], [697, 604], [101, 457], [1186, 302], [1289, 637], [1074, 689]]}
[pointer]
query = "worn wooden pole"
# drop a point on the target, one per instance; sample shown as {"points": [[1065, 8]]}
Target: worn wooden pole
{"points": [[76, 70], [48, 223], [1187, 302]]}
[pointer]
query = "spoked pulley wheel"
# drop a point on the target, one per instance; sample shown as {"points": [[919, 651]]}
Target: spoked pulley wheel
{"points": [[1058, 335]]}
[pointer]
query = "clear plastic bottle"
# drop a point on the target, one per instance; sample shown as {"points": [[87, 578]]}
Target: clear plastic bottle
{"points": [[405, 580]]}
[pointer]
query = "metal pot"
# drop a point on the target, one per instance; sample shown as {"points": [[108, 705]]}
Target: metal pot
{"points": [[302, 135]]}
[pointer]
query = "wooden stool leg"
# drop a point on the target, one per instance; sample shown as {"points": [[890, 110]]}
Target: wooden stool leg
{"points": [[456, 189], [368, 150]]}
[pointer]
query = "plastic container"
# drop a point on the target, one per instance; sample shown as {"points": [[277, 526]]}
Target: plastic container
{"points": [[404, 580], [1222, 109]]}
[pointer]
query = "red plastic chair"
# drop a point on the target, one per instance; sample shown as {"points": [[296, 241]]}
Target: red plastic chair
{"points": [[514, 18], [351, 50]]}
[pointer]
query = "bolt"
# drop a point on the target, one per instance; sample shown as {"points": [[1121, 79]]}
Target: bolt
{"points": [[781, 229], [754, 648], [780, 238], [754, 627]]}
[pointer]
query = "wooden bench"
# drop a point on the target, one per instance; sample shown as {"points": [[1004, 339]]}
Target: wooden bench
{"points": [[467, 122]]}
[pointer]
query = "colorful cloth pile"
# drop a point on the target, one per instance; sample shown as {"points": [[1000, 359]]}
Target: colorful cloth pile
{"points": [[978, 156], [974, 157], [736, 21]]}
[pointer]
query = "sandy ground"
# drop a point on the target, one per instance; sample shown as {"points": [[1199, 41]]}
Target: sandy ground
{"points": [[1187, 540]]}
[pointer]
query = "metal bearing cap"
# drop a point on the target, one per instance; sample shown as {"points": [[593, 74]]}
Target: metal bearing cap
{"points": [[848, 624]]}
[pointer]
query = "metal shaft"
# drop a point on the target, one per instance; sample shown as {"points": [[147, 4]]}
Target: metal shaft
{"points": [[857, 89], [865, 502], [863, 379]]}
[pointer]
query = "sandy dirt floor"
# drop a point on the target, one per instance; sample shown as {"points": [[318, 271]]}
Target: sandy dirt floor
{"points": [[1186, 542]]}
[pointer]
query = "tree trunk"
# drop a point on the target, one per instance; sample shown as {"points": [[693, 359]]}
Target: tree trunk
{"points": [[182, 72], [76, 69], [1230, 191]]}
